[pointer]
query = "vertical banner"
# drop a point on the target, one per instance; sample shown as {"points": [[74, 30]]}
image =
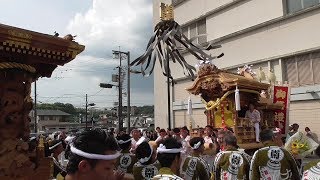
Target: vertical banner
{"points": [[281, 96], [223, 122]]}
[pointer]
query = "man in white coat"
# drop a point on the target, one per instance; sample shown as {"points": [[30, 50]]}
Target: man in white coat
{"points": [[254, 116]]}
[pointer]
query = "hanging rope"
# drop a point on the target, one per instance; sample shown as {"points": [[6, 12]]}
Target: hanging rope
{"points": [[165, 44]]}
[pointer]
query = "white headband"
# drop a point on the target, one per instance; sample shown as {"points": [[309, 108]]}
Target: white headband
{"points": [[94, 156], [196, 146], [162, 149], [146, 159], [69, 139], [277, 130], [52, 147], [141, 140], [124, 142]]}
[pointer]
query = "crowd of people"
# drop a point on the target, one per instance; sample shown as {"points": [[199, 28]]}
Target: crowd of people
{"points": [[205, 153]]}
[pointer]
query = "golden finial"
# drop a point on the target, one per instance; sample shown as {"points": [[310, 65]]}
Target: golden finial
{"points": [[166, 12]]}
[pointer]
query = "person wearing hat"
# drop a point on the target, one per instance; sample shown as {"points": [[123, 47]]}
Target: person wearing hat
{"points": [[126, 160], [147, 166], [231, 163], [169, 158], [93, 155], [194, 167], [53, 149], [272, 162]]}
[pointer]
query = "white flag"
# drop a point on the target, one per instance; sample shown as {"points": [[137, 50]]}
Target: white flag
{"points": [[189, 106]]}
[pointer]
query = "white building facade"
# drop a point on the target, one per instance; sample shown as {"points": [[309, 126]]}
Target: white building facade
{"points": [[277, 35]]}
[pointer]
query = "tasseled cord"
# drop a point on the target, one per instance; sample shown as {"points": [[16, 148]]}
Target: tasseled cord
{"points": [[237, 99], [189, 106]]}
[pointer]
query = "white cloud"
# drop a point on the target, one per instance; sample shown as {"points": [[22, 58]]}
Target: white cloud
{"points": [[108, 24], [102, 27]]}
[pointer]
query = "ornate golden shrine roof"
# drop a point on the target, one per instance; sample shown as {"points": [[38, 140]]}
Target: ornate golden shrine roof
{"points": [[43, 52], [213, 82]]}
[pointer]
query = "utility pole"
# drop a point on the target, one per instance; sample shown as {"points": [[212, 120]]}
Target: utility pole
{"points": [[86, 111], [120, 94], [168, 91], [35, 107], [128, 92], [120, 120]]}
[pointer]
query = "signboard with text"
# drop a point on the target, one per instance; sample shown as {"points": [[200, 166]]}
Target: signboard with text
{"points": [[280, 95]]}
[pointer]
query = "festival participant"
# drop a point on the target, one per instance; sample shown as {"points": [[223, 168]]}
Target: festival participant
{"points": [[169, 158], [136, 135], [293, 128], [231, 163], [209, 135], [311, 135], [153, 135], [311, 171], [158, 131], [147, 165], [169, 132], [53, 149], [162, 136], [254, 117], [220, 140], [201, 132], [176, 134], [278, 137], [126, 160], [194, 167], [184, 134], [215, 132], [93, 156], [272, 162]]}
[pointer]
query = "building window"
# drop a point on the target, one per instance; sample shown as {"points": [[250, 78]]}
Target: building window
{"points": [[176, 2], [195, 29], [302, 70], [297, 5], [202, 29]]}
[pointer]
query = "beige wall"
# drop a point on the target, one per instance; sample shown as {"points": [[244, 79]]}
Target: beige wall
{"points": [[180, 93], [306, 114], [197, 118], [285, 37], [191, 9], [241, 16]]}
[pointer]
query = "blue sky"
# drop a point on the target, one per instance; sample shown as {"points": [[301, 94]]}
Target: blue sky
{"points": [[102, 26]]}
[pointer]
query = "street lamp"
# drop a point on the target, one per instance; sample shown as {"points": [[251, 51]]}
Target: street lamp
{"points": [[107, 85]]}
